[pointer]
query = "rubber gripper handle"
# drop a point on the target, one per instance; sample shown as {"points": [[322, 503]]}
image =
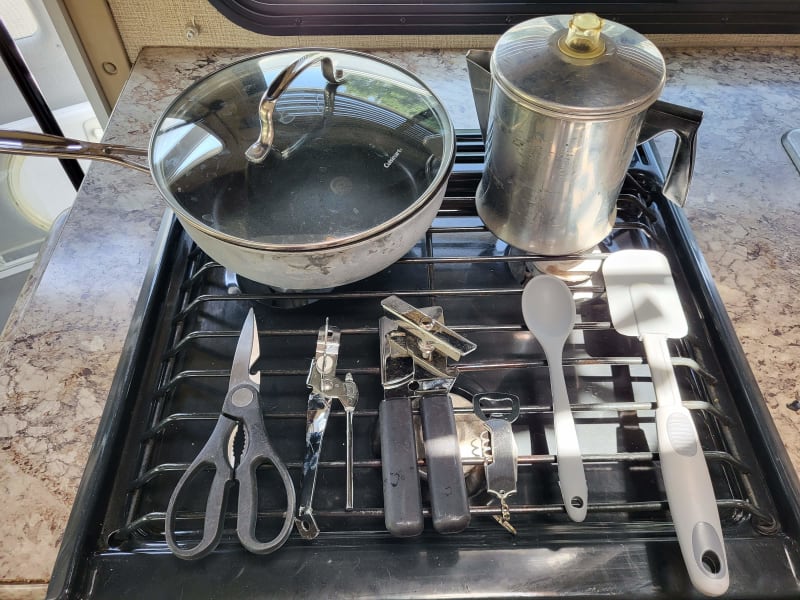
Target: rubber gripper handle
{"points": [[448, 491], [402, 501], [690, 493]]}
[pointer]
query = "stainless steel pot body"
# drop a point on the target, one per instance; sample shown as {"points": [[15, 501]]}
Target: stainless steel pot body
{"points": [[550, 183]]}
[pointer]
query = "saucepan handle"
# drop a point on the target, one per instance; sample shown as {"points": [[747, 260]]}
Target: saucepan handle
{"points": [[259, 150], [41, 144], [684, 122]]}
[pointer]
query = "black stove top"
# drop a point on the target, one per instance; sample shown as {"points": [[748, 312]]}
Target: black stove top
{"points": [[174, 374]]}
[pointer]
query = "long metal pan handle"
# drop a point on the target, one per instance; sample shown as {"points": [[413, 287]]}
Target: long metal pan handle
{"points": [[42, 144], [480, 79], [259, 150], [684, 122]]}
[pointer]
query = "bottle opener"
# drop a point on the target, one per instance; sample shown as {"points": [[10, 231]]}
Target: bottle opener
{"points": [[499, 449]]}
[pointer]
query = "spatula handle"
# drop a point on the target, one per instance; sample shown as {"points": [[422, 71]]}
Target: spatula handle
{"points": [[690, 493]]}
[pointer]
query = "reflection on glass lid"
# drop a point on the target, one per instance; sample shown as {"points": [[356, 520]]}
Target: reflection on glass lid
{"points": [[347, 159]]}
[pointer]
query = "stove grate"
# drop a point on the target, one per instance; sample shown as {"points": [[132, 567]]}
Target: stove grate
{"points": [[462, 267]]}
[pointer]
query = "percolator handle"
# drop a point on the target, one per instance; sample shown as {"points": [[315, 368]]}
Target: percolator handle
{"points": [[662, 117]]}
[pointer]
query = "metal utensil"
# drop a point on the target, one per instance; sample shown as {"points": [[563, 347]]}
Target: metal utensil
{"points": [[549, 312], [499, 449], [325, 387], [240, 409], [414, 351], [644, 303], [348, 402]]}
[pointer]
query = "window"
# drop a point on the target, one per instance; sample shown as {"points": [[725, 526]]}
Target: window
{"points": [[420, 17]]}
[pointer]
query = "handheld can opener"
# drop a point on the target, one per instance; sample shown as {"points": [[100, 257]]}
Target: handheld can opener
{"points": [[415, 346], [325, 387]]}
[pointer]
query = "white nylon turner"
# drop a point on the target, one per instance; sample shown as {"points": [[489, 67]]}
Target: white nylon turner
{"points": [[644, 303]]}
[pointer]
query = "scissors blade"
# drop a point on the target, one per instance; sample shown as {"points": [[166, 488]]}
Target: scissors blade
{"points": [[246, 355]]}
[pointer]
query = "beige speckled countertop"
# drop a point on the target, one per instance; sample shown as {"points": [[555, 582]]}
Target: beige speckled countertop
{"points": [[60, 349]]}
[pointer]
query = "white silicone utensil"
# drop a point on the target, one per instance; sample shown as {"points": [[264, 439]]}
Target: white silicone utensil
{"points": [[549, 312], [644, 303]]}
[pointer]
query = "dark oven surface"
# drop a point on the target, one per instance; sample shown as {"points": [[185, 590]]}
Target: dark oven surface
{"points": [[174, 376]]}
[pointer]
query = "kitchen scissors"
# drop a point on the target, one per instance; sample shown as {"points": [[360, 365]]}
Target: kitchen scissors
{"points": [[240, 409]]}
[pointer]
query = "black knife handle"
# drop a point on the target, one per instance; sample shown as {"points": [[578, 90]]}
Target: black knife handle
{"points": [[448, 491], [402, 501]]}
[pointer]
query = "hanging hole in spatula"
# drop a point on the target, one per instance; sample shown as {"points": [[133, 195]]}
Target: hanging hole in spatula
{"points": [[576, 502], [711, 562]]}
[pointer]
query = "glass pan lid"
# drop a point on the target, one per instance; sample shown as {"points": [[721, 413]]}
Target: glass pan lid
{"points": [[347, 160]]}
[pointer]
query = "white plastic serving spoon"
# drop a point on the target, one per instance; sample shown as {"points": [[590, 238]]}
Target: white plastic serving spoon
{"points": [[644, 303], [549, 312]]}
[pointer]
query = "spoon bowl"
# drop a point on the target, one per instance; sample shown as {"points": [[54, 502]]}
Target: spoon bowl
{"points": [[548, 308]]}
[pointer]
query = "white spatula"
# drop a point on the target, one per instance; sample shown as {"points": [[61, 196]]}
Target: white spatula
{"points": [[644, 303]]}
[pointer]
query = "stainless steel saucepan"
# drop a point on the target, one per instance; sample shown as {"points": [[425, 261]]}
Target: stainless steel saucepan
{"points": [[300, 178]]}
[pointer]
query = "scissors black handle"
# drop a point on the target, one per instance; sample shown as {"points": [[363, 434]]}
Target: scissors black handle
{"points": [[243, 408], [213, 454], [259, 451]]}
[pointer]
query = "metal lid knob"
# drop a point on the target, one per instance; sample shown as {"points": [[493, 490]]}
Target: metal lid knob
{"points": [[582, 39]]}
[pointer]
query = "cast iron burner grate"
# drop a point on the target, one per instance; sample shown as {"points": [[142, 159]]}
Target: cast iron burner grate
{"points": [[625, 547]]}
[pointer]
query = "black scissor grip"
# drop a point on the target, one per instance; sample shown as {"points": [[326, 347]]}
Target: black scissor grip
{"points": [[259, 451], [213, 454]]}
